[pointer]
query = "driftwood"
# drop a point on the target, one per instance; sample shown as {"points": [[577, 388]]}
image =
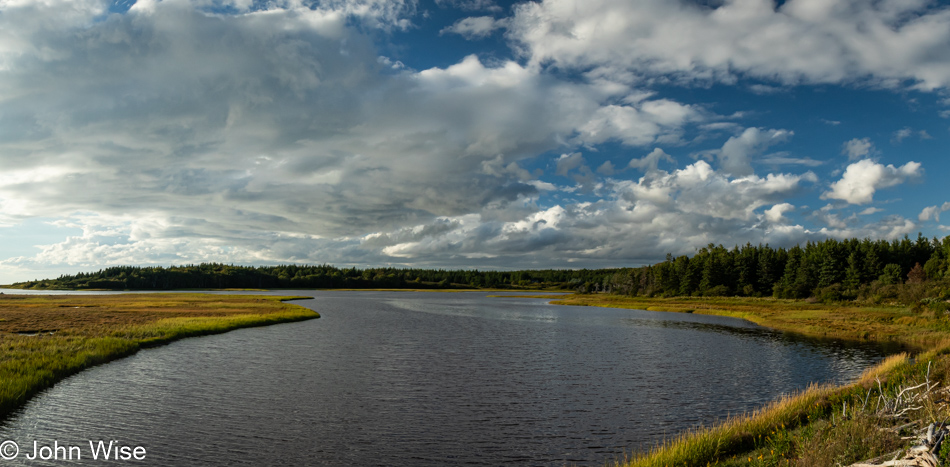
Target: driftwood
{"points": [[929, 439], [924, 454]]}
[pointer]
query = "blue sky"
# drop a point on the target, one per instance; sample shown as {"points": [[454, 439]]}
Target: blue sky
{"points": [[463, 133]]}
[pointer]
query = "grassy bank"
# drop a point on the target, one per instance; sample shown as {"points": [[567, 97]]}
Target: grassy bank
{"points": [[885, 324], [823, 425], [44, 339]]}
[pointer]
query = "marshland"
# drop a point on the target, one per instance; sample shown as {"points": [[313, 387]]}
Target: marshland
{"points": [[733, 357]]}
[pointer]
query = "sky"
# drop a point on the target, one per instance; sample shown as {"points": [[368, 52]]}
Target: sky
{"points": [[463, 133]]}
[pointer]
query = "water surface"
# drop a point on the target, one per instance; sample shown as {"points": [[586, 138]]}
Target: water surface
{"points": [[411, 378]]}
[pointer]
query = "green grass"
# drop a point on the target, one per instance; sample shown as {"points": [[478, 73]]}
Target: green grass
{"points": [[776, 434], [84, 331], [847, 321], [822, 425]]}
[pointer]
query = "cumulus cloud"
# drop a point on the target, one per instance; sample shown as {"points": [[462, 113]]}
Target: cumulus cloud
{"points": [[857, 148], [228, 132], [861, 179], [638, 123], [185, 132], [650, 162], [812, 41], [475, 27], [735, 156], [676, 211], [933, 212], [776, 214]]}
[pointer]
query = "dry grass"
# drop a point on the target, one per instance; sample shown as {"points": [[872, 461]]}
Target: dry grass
{"points": [[798, 429], [43, 339], [802, 429], [850, 321]]}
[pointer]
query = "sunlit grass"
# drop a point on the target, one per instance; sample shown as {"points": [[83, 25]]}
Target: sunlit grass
{"points": [[824, 424], [774, 434], [851, 321], [43, 339]]}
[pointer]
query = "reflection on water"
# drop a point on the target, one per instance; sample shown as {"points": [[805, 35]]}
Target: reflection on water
{"points": [[404, 378]]}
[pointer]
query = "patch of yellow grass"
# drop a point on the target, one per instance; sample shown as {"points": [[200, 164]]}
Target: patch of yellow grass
{"points": [[883, 324], [43, 339], [839, 321]]}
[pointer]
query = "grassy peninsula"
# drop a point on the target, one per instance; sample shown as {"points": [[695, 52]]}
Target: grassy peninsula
{"points": [[823, 425], [45, 338]]}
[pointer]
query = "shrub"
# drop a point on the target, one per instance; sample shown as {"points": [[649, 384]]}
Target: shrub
{"points": [[829, 294]]}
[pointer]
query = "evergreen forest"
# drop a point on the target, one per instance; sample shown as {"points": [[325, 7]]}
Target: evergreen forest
{"points": [[908, 270]]}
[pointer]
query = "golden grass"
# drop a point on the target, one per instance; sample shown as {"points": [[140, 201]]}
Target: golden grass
{"points": [[850, 321], [737, 435], [700, 446], [43, 339], [729, 442]]}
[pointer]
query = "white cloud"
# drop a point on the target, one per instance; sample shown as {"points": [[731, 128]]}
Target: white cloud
{"points": [[812, 41], [650, 162], [638, 124], [177, 134], [675, 211], [902, 134], [861, 179], [736, 154], [857, 148], [776, 214], [475, 27], [933, 212], [699, 189]]}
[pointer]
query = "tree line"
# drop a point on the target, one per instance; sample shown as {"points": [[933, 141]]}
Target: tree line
{"points": [[827, 270], [228, 276]]}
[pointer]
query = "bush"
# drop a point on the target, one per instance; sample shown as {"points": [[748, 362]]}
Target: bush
{"points": [[829, 294], [891, 274], [717, 291], [912, 293]]}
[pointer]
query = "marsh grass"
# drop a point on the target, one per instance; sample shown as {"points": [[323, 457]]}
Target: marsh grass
{"points": [[847, 321], [44, 339], [823, 425]]}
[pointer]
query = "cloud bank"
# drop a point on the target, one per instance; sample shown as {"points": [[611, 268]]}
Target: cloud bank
{"points": [[188, 131]]}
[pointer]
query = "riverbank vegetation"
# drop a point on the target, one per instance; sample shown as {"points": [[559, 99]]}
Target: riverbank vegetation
{"points": [[865, 423], [875, 416], [890, 324], [896, 414], [44, 339]]}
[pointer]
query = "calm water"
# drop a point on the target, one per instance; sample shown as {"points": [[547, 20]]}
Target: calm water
{"points": [[403, 378]]}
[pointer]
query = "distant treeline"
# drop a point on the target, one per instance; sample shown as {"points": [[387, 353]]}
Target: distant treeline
{"points": [[226, 276], [827, 270]]}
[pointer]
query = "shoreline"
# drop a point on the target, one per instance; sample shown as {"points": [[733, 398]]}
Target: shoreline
{"points": [[791, 414], [90, 330]]}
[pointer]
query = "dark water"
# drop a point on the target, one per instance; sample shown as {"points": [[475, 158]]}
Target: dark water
{"points": [[403, 378]]}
